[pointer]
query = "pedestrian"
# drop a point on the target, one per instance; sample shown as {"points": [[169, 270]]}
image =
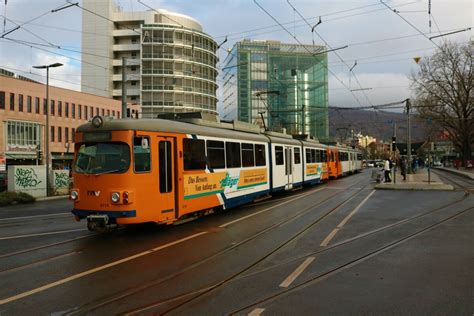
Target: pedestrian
{"points": [[403, 167], [387, 171]]}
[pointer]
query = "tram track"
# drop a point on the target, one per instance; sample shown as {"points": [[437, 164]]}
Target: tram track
{"points": [[322, 276], [458, 183], [189, 297], [203, 290]]}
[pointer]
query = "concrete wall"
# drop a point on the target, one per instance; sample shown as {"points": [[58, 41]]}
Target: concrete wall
{"points": [[28, 179]]}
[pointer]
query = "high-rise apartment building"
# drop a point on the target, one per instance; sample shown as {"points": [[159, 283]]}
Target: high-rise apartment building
{"points": [[170, 63], [285, 85]]}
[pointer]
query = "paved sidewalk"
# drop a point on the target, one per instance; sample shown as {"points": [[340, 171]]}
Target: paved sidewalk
{"points": [[417, 181]]}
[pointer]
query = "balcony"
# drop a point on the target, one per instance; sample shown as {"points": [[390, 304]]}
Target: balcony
{"points": [[130, 92], [129, 62], [129, 77], [126, 47], [120, 33]]}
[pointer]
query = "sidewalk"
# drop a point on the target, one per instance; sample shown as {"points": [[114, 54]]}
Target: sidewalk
{"points": [[468, 173], [417, 181]]}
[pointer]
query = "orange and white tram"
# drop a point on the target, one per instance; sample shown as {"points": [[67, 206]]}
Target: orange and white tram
{"points": [[157, 170]]}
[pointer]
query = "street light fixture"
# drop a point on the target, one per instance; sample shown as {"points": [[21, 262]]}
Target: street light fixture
{"points": [[47, 119]]}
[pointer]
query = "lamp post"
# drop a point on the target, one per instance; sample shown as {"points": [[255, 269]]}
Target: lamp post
{"points": [[47, 119]]}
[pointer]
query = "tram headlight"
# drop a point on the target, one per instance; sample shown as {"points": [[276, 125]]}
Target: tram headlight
{"points": [[97, 121], [74, 195], [115, 197]]}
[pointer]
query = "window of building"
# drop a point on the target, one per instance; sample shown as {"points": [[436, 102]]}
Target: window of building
{"points": [[52, 134], [279, 155], [37, 105], [232, 151], [52, 107], [297, 156], [248, 157], [113, 113], [66, 109], [118, 114], [79, 111], [215, 154], [86, 116], [165, 167], [73, 134], [60, 108], [22, 135], [103, 112], [2, 100], [66, 134], [260, 155], [91, 112], [108, 112], [194, 154], [12, 102], [60, 134], [28, 104], [133, 68], [45, 106], [73, 110], [20, 102], [96, 111], [133, 83]]}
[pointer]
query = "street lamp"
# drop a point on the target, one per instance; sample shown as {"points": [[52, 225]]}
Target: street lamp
{"points": [[47, 119]]}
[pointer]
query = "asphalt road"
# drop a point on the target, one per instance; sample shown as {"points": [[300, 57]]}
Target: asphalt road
{"points": [[339, 248]]}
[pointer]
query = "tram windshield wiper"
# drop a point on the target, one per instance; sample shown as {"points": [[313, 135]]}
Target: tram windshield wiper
{"points": [[110, 171]]}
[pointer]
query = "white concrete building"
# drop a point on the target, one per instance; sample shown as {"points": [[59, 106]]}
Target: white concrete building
{"points": [[170, 63]]}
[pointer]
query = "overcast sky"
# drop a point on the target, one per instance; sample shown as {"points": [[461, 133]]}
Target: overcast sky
{"points": [[383, 44]]}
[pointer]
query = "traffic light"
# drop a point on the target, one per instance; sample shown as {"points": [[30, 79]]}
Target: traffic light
{"points": [[394, 143], [40, 155]]}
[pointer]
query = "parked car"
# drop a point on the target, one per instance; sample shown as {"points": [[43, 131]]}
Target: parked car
{"points": [[3, 181]]}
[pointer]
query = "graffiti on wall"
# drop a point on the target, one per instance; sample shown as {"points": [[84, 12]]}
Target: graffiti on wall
{"points": [[61, 180], [26, 178]]}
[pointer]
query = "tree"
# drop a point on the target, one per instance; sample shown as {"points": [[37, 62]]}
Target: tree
{"points": [[444, 93]]}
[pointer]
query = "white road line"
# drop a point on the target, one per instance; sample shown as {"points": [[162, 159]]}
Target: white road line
{"points": [[256, 312], [297, 272], [35, 216], [267, 209], [344, 221], [329, 237], [94, 270], [43, 234]]}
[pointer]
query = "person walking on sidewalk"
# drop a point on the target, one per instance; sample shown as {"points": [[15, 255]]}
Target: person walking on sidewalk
{"points": [[403, 167], [386, 169]]}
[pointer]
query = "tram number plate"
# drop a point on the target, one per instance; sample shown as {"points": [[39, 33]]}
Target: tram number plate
{"points": [[104, 205]]}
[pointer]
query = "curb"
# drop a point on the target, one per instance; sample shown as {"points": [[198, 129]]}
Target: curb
{"points": [[56, 197], [415, 187], [461, 173]]}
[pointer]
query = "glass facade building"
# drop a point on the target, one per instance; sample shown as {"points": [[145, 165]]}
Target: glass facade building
{"points": [[283, 86]]}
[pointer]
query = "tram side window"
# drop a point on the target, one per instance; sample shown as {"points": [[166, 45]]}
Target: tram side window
{"points": [[141, 154], [166, 174], [248, 157], [323, 156], [194, 154], [279, 155], [232, 151], [308, 155], [215, 154], [260, 155], [313, 155], [297, 156]]}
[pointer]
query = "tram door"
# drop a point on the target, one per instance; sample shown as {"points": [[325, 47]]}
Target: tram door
{"points": [[289, 167], [166, 176]]}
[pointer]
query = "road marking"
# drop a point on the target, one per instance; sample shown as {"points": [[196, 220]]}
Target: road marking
{"points": [[256, 312], [329, 237], [40, 262], [43, 234], [297, 272], [344, 221], [94, 270], [35, 216], [267, 209]]}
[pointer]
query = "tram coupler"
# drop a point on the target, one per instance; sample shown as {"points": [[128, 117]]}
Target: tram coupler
{"points": [[97, 223]]}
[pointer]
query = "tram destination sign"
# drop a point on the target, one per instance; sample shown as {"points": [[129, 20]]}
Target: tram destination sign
{"points": [[97, 137]]}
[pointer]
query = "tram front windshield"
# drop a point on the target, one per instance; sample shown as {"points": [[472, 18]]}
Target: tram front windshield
{"points": [[100, 158]]}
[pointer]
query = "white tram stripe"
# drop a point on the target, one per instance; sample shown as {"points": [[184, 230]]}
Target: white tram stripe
{"points": [[35, 216], [297, 272], [43, 234], [268, 208], [256, 312], [94, 270], [344, 221]]}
